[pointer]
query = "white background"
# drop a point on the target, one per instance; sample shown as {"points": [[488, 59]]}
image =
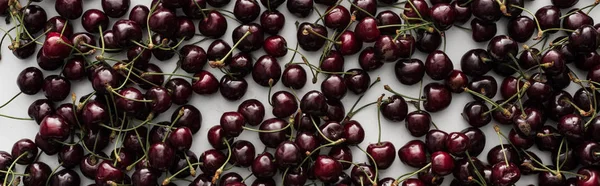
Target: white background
{"points": [[458, 42]]}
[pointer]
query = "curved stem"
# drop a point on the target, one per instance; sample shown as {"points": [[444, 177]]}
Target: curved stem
{"points": [[11, 99], [387, 87], [220, 170], [379, 118], [12, 165], [320, 132]]}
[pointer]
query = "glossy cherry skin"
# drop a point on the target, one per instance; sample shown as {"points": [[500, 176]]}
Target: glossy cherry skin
{"points": [[144, 176], [484, 85], [366, 30], [414, 154], [287, 154], [115, 8], [442, 163], [48, 146], [333, 62], [241, 64], [477, 140], [576, 18], [206, 83], [438, 65], [139, 14], [59, 24], [107, 172], [331, 130], [54, 127], [474, 111], [213, 25], [253, 41], [334, 87], [368, 60], [161, 156], [584, 39], [272, 21], [327, 169], [456, 81], [473, 62], [22, 146], [357, 80], [429, 177], [212, 159], [394, 108], [349, 44], [264, 166], [233, 88], [89, 165], [265, 70], [383, 153], [367, 5], [25, 50], [501, 47], [435, 140], [482, 31], [161, 99], [163, 21], [243, 153], [548, 17], [56, 46], [437, 96], [70, 9], [335, 111], [275, 46], [309, 41], [466, 167], [591, 177], [284, 104], [180, 90], [246, 10], [65, 177], [409, 71], [34, 17], [571, 127], [386, 49], [191, 118], [443, 15], [273, 139], [39, 109], [38, 172], [363, 172], [94, 20], [300, 8], [253, 111], [418, 123], [314, 103], [181, 138], [521, 28], [487, 10], [458, 144], [505, 173], [539, 90], [30, 80], [294, 76]]}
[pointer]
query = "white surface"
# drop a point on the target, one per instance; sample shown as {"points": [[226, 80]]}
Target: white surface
{"points": [[449, 120]]}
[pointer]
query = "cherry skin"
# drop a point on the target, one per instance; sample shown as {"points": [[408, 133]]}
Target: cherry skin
{"points": [[418, 123], [482, 31], [246, 10], [414, 154], [253, 41], [477, 140], [456, 81], [275, 46], [309, 41], [435, 140], [548, 17], [314, 103], [437, 96], [300, 8], [327, 169], [59, 24], [474, 111], [333, 62], [284, 104], [334, 87], [264, 166], [394, 108], [386, 49], [107, 172], [38, 172], [591, 177], [363, 172], [272, 21], [161, 99], [30, 80], [438, 65], [502, 47], [93, 20], [443, 15], [163, 21], [34, 17], [253, 111], [487, 10], [383, 153], [287, 154], [353, 132], [457, 143], [54, 127], [213, 25], [243, 153], [505, 173], [521, 28], [294, 76], [266, 69], [206, 83], [368, 60], [273, 139], [357, 81], [56, 46], [65, 177], [22, 146], [115, 8], [139, 14], [366, 30], [181, 138]]}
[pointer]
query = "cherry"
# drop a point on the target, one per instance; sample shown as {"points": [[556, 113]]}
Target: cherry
{"points": [[206, 83], [273, 139], [287, 154], [353, 132], [264, 182], [576, 18], [386, 48], [191, 118], [369, 6], [139, 14], [34, 18], [437, 97], [241, 64], [435, 140], [39, 109], [272, 21], [300, 8], [213, 25], [442, 163], [590, 177], [180, 90], [458, 143], [357, 80], [348, 44], [48, 146], [181, 138], [477, 140], [161, 99], [363, 173], [502, 47], [232, 123], [584, 39], [212, 159], [304, 122], [107, 172], [476, 114], [539, 90], [70, 9], [484, 85], [230, 178], [366, 30], [60, 25], [333, 131], [465, 168], [487, 10], [334, 87], [253, 111], [54, 127], [463, 13], [418, 123], [39, 173], [548, 17], [443, 15], [333, 62], [383, 18], [294, 76], [94, 20], [438, 65], [264, 166], [414, 154], [314, 103], [251, 42], [309, 41], [482, 31], [163, 22], [456, 81], [327, 169], [144, 176], [284, 104], [30, 80], [66, 177], [420, 10], [394, 108], [125, 158], [89, 165], [243, 153], [246, 10], [266, 71], [100, 138], [115, 8], [275, 46], [383, 154], [504, 173], [25, 148], [368, 60], [135, 140], [409, 71], [521, 28], [56, 46]]}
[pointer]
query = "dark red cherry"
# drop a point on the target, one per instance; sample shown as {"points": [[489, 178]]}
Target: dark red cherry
{"points": [[246, 10], [139, 14], [66, 177], [484, 85], [409, 71], [363, 172], [70, 9], [243, 153], [284, 104], [107, 172], [48, 146], [264, 166], [487, 10], [212, 159], [369, 6], [144, 176], [327, 169], [435, 140], [163, 22], [191, 118], [386, 48], [307, 142], [135, 140], [333, 62], [39, 109], [332, 131], [540, 90], [205, 84], [56, 46], [386, 17], [457, 143], [180, 90], [231, 179], [54, 127], [275, 46], [357, 80], [383, 153], [571, 127], [591, 177], [181, 138], [504, 173], [576, 18], [521, 28], [348, 44], [59, 24], [89, 165], [287, 154], [232, 123], [443, 15], [30, 80], [126, 158], [438, 65], [314, 103], [94, 21], [161, 99], [353, 132], [272, 21], [366, 30], [418, 123], [253, 111], [476, 113], [334, 87], [265, 70], [309, 41], [253, 41], [437, 96], [482, 30], [213, 25], [476, 62], [34, 18], [442, 163], [125, 31], [502, 47], [368, 60], [300, 8], [341, 153], [548, 17], [394, 108], [233, 88], [294, 76], [216, 137], [584, 39], [456, 81], [273, 139], [414, 154], [193, 58], [74, 69], [115, 8], [39, 173], [241, 64], [24, 146], [56, 88]]}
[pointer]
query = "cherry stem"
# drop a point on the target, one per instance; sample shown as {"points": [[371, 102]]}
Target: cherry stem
{"points": [[351, 112], [308, 155], [374, 164], [199, 8], [12, 165], [270, 131], [526, 86], [540, 32], [311, 31], [387, 87], [379, 118], [179, 114], [219, 63], [157, 73], [190, 165], [481, 179], [16, 118], [271, 81], [220, 170], [149, 118], [320, 132], [485, 98], [11, 99], [109, 88], [361, 9], [412, 5], [52, 173], [497, 129], [523, 115], [558, 164], [167, 180], [404, 177]]}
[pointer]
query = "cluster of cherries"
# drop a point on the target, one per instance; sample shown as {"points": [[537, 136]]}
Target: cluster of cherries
{"points": [[310, 139]]}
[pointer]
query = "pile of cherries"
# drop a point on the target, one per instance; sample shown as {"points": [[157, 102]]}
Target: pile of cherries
{"points": [[311, 137]]}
